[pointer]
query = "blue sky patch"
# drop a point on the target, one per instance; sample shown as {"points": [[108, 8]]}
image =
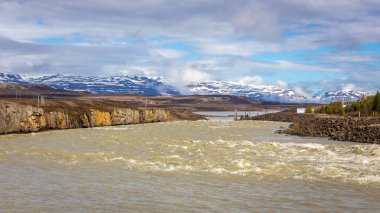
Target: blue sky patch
{"points": [[50, 40], [40, 22], [178, 46], [193, 55]]}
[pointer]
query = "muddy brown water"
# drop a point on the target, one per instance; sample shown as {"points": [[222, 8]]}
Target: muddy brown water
{"points": [[198, 166]]}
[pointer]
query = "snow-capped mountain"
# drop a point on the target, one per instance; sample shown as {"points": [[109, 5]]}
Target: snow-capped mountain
{"points": [[271, 93], [11, 78], [158, 86], [96, 84], [345, 95]]}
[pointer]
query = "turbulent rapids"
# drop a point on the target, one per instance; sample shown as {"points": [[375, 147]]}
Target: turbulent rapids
{"points": [[245, 153]]}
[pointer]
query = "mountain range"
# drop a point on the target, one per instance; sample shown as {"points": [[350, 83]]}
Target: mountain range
{"points": [[95, 84], [159, 86], [273, 93]]}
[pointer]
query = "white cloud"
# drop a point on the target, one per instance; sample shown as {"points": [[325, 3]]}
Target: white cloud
{"points": [[288, 65], [250, 80], [191, 75], [281, 83], [170, 53], [128, 36], [300, 91], [130, 70], [351, 58], [349, 87]]}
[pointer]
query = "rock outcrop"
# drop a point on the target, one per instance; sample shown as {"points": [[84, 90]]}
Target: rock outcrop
{"points": [[363, 130], [283, 116], [18, 118]]}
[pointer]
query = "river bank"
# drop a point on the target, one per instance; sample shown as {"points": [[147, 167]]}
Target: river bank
{"points": [[24, 118], [362, 130]]}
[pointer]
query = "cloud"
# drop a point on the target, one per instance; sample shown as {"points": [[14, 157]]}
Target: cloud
{"points": [[349, 87], [170, 53], [130, 37], [282, 84], [181, 75], [191, 75], [265, 20], [256, 19], [301, 91], [250, 80], [288, 65]]}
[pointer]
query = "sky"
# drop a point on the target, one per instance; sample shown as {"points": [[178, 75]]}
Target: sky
{"points": [[306, 45]]}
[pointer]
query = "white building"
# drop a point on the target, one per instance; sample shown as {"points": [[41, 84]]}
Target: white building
{"points": [[301, 110]]}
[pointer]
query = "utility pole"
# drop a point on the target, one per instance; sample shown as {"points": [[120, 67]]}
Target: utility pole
{"points": [[43, 101], [38, 100], [146, 102]]}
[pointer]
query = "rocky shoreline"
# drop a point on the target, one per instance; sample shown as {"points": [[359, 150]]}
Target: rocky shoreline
{"points": [[23, 118], [362, 130]]}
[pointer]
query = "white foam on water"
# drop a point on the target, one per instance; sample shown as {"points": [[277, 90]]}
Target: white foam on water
{"points": [[117, 159], [170, 168], [216, 152], [173, 156], [368, 179], [218, 170]]}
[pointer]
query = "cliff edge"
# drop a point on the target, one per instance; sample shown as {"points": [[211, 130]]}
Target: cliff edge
{"points": [[23, 118]]}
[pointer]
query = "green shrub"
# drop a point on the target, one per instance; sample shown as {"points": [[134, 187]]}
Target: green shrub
{"points": [[309, 109]]}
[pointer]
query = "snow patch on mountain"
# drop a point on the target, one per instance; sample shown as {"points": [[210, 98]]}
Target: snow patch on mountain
{"points": [[96, 84], [272, 93], [262, 92], [11, 78], [345, 95], [159, 86]]}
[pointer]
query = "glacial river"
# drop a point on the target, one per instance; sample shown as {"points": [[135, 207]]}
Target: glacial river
{"points": [[199, 166]]}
